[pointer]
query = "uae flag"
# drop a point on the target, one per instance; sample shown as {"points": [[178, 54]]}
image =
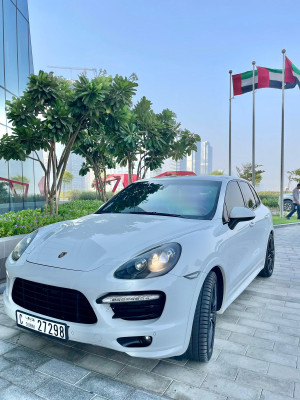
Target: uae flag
{"points": [[272, 78], [292, 73], [266, 78], [242, 83]]}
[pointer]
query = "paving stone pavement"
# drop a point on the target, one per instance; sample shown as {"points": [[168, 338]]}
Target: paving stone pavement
{"points": [[256, 356]]}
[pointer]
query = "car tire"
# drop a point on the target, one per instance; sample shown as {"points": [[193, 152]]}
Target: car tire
{"points": [[268, 269], [203, 330], [287, 205]]}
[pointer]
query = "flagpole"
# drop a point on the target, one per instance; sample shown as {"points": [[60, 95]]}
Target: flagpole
{"points": [[229, 167], [253, 125], [282, 138]]}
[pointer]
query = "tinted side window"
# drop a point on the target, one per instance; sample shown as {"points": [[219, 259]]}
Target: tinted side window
{"points": [[233, 198], [250, 201], [257, 199]]}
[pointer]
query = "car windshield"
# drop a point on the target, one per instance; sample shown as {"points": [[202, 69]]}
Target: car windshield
{"points": [[175, 198]]}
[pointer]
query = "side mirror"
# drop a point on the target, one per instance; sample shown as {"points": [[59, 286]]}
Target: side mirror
{"points": [[239, 214]]}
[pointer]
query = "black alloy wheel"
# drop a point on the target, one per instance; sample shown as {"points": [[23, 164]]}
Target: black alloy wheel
{"points": [[212, 319], [268, 269], [287, 205], [203, 331]]}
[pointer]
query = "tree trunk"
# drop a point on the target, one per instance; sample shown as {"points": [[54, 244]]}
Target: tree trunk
{"points": [[46, 194], [98, 180], [139, 170], [47, 181], [130, 169], [104, 185], [145, 172], [51, 204], [61, 166]]}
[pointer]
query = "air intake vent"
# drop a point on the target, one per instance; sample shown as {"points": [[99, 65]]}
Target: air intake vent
{"points": [[53, 301], [128, 306]]}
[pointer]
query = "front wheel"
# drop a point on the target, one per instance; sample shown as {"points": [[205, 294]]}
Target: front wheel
{"points": [[268, 268], [203, 331]]}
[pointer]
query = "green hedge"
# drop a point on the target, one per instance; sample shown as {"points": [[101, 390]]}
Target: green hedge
{"points": [[270, 201], [26, 221], [83, 195]]}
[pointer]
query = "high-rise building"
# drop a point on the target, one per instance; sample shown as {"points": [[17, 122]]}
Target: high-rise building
{"points": [[79, 182], [205, 158], [19, 181], [199, 161], [191, 162]]}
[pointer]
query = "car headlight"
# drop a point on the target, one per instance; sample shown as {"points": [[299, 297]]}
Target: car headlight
{"points": [[155, 262], [22, 245]]}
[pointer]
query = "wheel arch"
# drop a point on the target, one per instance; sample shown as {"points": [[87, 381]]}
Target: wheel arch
{"points": [[221, 285]]}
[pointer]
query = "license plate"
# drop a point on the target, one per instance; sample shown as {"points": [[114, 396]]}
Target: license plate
{"points": [[42, 325]]}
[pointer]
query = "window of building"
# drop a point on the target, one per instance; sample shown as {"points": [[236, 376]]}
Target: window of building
{"points": [[10, 46], [4, 187], [23, 7], [28, 184], [30, 55], [8, 96], [23, 52], [2, 107], [16, 186], [1, 48]]}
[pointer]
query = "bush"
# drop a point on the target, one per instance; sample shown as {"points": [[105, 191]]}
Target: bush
{"points": [[268, 193], [270, 201], [83, 195], [271, 193], [109, 195], [26, 221]]}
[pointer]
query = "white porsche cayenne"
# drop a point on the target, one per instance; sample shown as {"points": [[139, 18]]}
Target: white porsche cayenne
{"points": [[147, 273]]}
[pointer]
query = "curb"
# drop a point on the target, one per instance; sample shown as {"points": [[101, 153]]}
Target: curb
{"points": [[285, 225]]}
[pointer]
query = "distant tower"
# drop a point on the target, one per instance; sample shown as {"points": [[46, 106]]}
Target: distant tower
{"points": [[79, 182], [206, 158]]}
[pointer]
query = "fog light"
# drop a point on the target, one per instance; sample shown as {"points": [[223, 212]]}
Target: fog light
{"points": [[135, 341], [148, 339]]}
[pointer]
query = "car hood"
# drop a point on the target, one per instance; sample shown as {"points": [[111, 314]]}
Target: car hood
{"points": [[105, 239]]}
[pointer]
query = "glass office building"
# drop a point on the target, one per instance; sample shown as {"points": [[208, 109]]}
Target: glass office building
{"points": [[20, 182], [205, 158]]}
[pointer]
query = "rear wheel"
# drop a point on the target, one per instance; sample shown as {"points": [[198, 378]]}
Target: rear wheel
{"points": [[268, 269], [203, 331], [287, 205]]}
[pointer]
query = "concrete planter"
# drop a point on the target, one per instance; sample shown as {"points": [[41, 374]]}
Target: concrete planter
{"points": [[7, 245]]}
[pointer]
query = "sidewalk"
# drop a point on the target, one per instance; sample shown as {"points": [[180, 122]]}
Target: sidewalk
{"points": [[256, 356]]}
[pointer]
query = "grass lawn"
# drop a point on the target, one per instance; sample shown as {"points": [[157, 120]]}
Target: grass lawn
{"points": [[278, 221]]}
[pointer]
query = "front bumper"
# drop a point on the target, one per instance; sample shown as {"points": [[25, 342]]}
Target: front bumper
{"points": [[170, 332]]}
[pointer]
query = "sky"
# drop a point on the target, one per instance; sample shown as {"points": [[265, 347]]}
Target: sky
{"points": [[181, 52]]}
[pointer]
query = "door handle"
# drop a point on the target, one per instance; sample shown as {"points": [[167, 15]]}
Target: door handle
{"points": [[252, 224], [266, 216]]}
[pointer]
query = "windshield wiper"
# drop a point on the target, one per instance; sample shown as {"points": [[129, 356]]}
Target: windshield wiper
{"points": [[155, 213]]}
